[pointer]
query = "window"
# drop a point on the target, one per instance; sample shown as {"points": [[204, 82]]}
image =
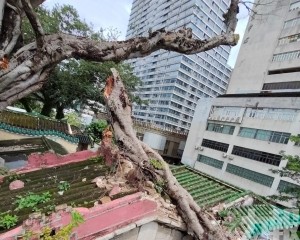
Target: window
{"points": [[286, 186], [210, 161], [247, 132], [226, 129], [292, 23], [286, 56], [281, 85], [250, 175], [223, 147], [255, 155], [289, 39], [295, 5], [265, 135]]}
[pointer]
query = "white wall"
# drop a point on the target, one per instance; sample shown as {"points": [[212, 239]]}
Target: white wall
{"points": [[198, 132], [155, 141]]}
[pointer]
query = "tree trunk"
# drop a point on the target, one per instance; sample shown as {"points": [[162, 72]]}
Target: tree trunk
{"points": [[140, 154], [25, 104], [59, 112], [47, 109]]}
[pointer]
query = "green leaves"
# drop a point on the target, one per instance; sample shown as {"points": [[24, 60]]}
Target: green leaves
{"points": [[31, 200], [63, 186], [95, 129], [156, 164], [7, 221]]}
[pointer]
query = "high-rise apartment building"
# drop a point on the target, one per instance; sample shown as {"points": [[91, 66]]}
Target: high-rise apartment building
{"points": [[173, 83], [239, 137], [269, 56]]}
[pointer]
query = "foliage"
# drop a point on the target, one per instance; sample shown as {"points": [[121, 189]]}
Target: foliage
{"points": [[234, 224], [73, 119], [98, 159], [156, 164], [160, 186], [65, 232], [292, 171], [63, 186], [31, 200], [7, 221], [95, 129], [63, 18], [74, 83], [4, 171], [224, 213]]}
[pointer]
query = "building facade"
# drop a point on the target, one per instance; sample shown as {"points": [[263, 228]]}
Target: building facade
{"points": [[269, 56], [173, 83], [239, 138]]}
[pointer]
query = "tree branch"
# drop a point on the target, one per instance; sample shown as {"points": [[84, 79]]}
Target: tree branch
{"points": [[35, 22], [16, 32], [29, 60], [2, 6]]}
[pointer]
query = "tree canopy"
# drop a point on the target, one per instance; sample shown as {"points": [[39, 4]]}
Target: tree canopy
{"points": [[72, 83]]}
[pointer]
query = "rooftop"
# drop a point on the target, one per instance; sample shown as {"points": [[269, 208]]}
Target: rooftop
{"points": [[80, 193], [252, 220]]}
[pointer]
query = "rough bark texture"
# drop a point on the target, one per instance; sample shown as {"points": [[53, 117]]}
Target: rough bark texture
{"points": [[140, 154], [30, 65]]}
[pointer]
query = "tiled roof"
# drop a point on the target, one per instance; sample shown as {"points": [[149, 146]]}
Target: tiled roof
{"points": [[81, 192], [253, 220], [206, 190], [30, 145], [263, 218]]}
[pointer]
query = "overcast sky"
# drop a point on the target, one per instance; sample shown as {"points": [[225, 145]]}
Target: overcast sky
{"points": [[115, 13]]}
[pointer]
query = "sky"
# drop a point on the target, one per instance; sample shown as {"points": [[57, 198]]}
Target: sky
{"points": [[115, 14]]}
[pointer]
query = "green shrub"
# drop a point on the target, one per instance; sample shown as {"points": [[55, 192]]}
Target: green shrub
{"points": [[95, 129], [156, 164], [63, 186], [7, 221], [31, 200]]}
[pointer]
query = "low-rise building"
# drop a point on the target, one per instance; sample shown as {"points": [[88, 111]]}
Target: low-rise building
{"points": [[240, 138]]}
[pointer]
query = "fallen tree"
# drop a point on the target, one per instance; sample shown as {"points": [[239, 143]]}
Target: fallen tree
{"points": [[24, 69], [149, 165]]}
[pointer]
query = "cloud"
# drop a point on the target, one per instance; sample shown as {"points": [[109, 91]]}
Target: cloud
{"points": [[101, 13]]}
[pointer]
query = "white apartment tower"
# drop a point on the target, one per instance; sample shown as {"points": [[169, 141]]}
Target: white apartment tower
{"points": [[269, 56], [173, 83], [238, 137]]}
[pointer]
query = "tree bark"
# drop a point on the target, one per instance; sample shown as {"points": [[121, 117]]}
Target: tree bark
{"points": [[140, 154], [30, 65], [25, 104], [47, 108], [59, 112]]}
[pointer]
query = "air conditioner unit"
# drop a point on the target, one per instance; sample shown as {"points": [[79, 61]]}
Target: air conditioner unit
{"points": [[197, 147], [224, 155], [230, 157]]}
